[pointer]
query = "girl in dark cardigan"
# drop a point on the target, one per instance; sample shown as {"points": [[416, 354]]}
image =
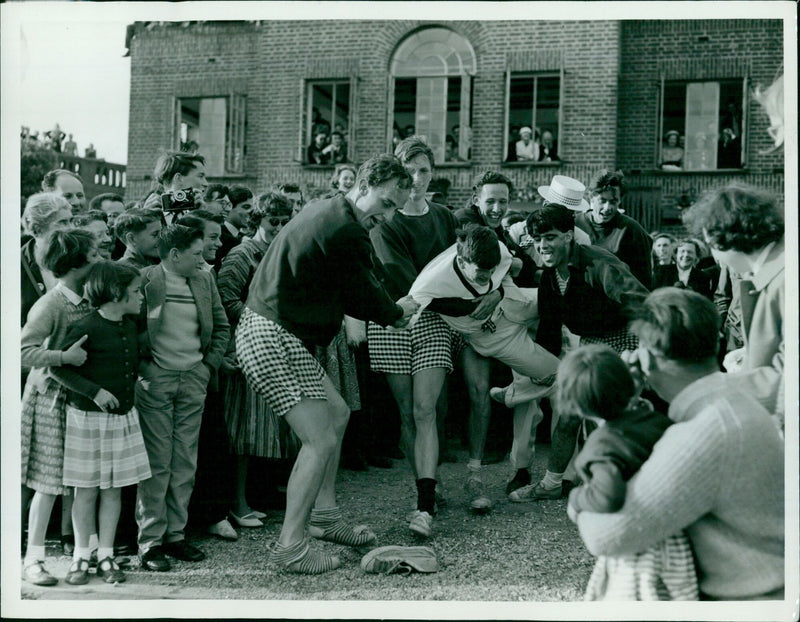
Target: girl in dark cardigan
{"points": [[103, 446]]}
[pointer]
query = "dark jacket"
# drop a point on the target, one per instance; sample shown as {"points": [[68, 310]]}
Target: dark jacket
{"points": [[32, 282], [699, 280], [229, 241], [598, 300], [319, 268]]}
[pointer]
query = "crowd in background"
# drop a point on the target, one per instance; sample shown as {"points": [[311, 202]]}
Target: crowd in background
{"points": [[154, 328]]}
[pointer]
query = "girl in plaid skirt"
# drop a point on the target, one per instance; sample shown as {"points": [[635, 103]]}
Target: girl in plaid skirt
{"points": [[69, 255], [103, 446]]}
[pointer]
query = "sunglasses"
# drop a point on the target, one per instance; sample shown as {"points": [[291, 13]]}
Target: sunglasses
{"points": [[278, 221]]}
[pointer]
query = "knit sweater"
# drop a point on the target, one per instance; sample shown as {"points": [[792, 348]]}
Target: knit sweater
{"points": [[111, 362], [235, 275], [407, 243], [177, 345], [317, 269], [718, 473]]}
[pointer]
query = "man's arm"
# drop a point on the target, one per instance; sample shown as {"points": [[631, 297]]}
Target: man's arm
{"points": [[393, 253]]}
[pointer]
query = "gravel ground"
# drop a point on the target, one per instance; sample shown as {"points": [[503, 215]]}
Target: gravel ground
{"points": [[518, 552]]}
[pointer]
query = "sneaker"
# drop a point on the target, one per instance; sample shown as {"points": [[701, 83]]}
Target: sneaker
{"points": [[498, 394], [421, 524], [479, 502], [534, 492], [521, 478], [400, 560]]}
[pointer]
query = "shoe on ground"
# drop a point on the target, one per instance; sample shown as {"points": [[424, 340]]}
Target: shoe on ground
{"points": [[109, 571], [258, 514], [478, 501], [223, 530], [421, 524], [400, 560], [246, 520], [36, 574], [155, 560], [78, 573], [498, 394], [535, 492], [521, 478], [183, 551]]}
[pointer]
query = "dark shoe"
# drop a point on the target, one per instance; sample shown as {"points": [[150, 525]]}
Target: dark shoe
{"points": [[124, 549], [183, 551], [379, 462], [109, 571], [521, 478], [68, 544], [78, 573], [155, 560]]}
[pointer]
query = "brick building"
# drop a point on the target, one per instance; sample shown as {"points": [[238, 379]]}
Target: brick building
{"points": [[254, 94]]}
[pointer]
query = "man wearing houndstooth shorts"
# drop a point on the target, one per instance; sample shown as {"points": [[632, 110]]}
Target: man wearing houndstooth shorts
{"points": [[317, 269]]}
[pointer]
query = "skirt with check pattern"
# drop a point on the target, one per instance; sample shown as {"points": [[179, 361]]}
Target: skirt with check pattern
{"points": [[620, 340], [276, 363], [427, 345], [103, 450]]}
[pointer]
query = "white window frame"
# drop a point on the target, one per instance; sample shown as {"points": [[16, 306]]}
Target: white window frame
{"points": [[306, 111], [535, 75]]}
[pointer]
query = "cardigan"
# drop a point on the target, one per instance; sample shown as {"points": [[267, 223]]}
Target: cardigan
{"points": [[718, 473], [235, 275], [623, 237], [317, 269], [111, 362], [598, 298], [406, 244]]}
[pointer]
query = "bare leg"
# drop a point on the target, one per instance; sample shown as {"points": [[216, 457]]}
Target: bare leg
{"points": [[339, 414], [476, 377], [110, 504], [83, 515], [401, 388], [240, 506], [39, 517], [66, 516], [428, 385]]}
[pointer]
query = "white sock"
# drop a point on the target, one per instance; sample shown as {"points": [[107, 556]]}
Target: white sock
{"points": [[81, 553], [103, 552], [474, 464], [552, 480], [34, 554], [93, 542]]}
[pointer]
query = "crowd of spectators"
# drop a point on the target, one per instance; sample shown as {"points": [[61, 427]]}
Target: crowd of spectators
{"points": [[155, 328], [55, 139]]}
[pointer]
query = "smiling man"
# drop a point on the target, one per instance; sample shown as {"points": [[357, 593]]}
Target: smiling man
{"points": [[318, 268]]}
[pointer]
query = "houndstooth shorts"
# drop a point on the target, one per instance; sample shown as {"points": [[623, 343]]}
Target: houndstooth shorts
{"points": [[620, 340], [276, 363], [428, 345]]}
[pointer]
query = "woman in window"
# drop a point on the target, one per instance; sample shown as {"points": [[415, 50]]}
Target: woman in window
{"points": [[671, 152]]}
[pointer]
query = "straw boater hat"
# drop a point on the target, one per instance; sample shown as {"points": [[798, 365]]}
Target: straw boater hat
{"points": [[565, 191]]}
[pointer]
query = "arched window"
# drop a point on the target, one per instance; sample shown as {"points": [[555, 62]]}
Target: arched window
{"points": [[432, 72]]}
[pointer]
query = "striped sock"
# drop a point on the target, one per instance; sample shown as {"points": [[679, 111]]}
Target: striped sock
{"points": [[299, 558]]}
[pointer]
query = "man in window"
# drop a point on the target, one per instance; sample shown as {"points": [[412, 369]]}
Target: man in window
{"points": [[336, 152], [526, 148], [548, 148], [613, 231]]}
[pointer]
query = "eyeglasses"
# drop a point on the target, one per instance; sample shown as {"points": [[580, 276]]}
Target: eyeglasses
{"points": [[278, 221]]}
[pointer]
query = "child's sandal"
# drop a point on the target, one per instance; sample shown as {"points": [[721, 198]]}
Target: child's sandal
{"points": [[78, 572], [36, 574], [109, 571]]}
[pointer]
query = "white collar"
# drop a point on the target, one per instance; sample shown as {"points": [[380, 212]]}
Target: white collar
{"points": [[761, 259], [232, 229], [74, 298]]}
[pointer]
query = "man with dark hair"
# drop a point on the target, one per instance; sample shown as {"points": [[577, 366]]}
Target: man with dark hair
{"points": [[112, 204], [717, 473], [587, 290], [139, 229], [211, 226], [236, 221], [319, 268], [176, 170], [745, 228], [336, 151], [184, 334], [619, 234], [66, 184], [294, 194], [217, 199]]}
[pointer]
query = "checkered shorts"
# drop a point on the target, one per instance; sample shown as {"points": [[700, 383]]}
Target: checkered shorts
{"points": [[428, 345], [276, 364], [620, 340]]}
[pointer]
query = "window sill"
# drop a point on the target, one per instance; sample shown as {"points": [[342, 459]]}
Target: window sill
{"points": [[717, 171], [224, 176], [324, 167], [531, 164], [455, 164]]}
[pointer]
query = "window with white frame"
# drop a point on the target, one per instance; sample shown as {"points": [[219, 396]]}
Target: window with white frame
{"points": [[533, 118], [432, 73], [215, 128], [327, 122], [702, 125]]}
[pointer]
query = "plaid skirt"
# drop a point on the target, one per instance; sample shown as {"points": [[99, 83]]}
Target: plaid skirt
{"points": [[103, 450], [427, 345], [620, 340], [42, 434], [253, 427], [276, 363]]}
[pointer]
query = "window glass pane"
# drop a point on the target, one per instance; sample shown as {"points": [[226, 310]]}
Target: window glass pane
{"points": [[329, 111], [405, 103], [431, 114], [203, 123], [702, 120], [533, 102]]}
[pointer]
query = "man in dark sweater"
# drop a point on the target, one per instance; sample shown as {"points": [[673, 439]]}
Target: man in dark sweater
{"points": [[609, 229], [317, 269], [587, 290]]}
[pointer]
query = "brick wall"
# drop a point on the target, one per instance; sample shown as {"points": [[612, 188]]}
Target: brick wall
{"points": [[691, 50], [611, 73], [268, 62]]}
